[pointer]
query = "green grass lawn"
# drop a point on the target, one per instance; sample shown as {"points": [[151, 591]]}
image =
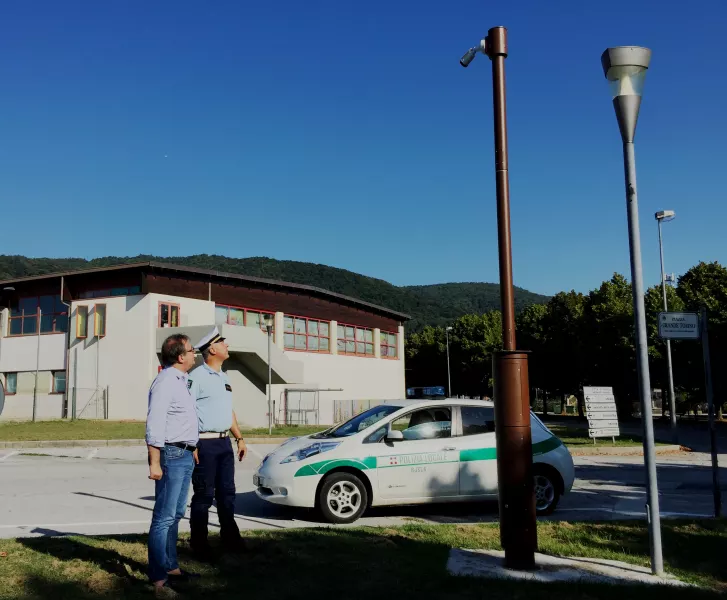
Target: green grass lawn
{"points": [[575, 436], [83, 429], [404, 563]]}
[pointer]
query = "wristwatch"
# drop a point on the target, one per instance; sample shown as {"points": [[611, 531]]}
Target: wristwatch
{"points": [[238, 440]]}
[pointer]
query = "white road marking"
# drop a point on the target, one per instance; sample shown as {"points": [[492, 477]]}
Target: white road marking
{"points": [[91, 454], [13, 453]]}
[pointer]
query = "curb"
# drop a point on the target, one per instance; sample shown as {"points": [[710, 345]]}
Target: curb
{"points": [[113, 443], [624, 450]]}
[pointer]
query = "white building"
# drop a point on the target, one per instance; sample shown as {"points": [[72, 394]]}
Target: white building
{"points": [[329, 353]]}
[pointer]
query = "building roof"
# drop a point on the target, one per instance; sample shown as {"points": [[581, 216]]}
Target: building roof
{"points": [[273, 283]]}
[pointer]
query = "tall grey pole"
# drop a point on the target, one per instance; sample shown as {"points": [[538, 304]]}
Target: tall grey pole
{"points": [[672, 400], [270, 385], [625, 68], [37, 364], [716, 492], [449, 375], [642, 361]]}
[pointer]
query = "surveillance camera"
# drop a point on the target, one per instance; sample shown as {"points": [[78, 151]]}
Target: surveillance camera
{"points": [[472, 52], [468, 57]]}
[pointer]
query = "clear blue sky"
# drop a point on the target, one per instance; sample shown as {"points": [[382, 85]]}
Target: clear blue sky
{"points": [[346, 133]]}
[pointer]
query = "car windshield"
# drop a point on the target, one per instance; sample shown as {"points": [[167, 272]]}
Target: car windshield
{"points": [[359, 422]]}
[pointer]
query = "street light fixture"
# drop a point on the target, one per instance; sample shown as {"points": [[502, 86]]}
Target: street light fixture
{"points": [[662, 216], [449, 375], [625, 69], [268, 321], [518, 533]]}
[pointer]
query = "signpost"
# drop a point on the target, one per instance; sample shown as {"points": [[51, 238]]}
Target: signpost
{"points": [[601, 413], [679, 326]]}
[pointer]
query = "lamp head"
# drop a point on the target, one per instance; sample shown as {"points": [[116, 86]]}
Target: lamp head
{"points": [[665, 215]]}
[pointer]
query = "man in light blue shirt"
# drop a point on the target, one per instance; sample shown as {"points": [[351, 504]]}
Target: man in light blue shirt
{"points": [[214, 475], [171, 437]]}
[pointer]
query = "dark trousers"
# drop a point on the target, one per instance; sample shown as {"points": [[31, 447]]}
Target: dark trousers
{"points": [[214, 478]]}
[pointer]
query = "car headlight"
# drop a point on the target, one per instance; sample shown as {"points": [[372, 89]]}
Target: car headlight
{"points": [[309, 451]]}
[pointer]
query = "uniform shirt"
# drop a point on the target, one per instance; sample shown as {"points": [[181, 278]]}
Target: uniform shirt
{"points": [[172, 416], [213, 393]]}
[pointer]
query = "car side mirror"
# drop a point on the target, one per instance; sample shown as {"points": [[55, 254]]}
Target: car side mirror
{"points": [[394, 435]]}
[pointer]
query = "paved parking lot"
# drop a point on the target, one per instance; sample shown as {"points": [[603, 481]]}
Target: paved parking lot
{"points": [[55, 491]]}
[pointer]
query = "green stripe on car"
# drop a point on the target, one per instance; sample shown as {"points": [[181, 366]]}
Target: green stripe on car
{"points": [[475, 454]]}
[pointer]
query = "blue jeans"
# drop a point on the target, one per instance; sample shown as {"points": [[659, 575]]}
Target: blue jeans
{"points": [[171, 493]]}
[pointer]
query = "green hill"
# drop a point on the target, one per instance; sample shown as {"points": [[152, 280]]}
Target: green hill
{"points": [[428, 304]]}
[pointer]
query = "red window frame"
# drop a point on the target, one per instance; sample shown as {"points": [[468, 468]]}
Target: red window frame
{"points": [[308, 336], [5, 383], [34, 316], [53, 382], [355, 341], [245, 310], [170, 305], [387, 345]]}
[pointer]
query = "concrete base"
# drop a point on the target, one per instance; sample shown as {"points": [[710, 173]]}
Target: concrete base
{"points": [[554, 569]]}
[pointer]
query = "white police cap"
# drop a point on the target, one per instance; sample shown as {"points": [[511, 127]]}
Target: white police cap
{"points": [[211, 338]]}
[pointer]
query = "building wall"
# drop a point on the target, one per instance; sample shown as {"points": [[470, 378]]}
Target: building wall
{"points": [[124, 362], [359, 377], [126, 356], [22, 355]]}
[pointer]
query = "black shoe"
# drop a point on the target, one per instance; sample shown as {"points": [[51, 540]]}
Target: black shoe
{"points": [[183, 577]]}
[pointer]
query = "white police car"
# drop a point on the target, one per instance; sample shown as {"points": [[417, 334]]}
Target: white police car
{"points": [[406, 452]]}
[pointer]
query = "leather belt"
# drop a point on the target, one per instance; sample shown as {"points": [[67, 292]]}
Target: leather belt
{"points": [[182, 445], [212, 435]]}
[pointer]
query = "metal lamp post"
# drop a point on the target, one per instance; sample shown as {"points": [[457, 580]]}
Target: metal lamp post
{"points": [[449, 374], [518, 533], [625, 69], [661, 216], [269, 320]]}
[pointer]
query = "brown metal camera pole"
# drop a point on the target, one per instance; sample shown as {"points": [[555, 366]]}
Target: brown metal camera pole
{"points": [[518, 533]]}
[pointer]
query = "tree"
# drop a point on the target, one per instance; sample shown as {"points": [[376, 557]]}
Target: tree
{"points": [[705, 284], [609, 342]]}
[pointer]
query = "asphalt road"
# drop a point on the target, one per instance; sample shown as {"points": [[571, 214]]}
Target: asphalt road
{"points": [[89, 491]]}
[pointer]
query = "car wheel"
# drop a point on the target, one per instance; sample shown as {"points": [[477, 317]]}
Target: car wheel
{"points": [[342, 498], [547, 491]]}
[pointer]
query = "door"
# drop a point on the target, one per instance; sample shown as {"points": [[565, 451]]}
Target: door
{"points": [[478, 452], [425, 464]]}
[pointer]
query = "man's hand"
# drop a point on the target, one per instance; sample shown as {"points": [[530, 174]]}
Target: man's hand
{"points": [[155, 472], [195, 454], [155, 463], [241, 449]]}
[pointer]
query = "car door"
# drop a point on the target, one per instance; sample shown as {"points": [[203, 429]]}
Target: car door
{"points": [[425, 464], [477, 451]]}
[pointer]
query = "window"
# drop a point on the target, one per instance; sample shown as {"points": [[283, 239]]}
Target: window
{"points": [[168, 315], [108, 292], [24, 318], [99, 321], [388, 345], [242, 317], [310, 335], [11, 383], [359, 422], [425, 424], [82, 322], [355, 340], [477, 419], [59, 382]]}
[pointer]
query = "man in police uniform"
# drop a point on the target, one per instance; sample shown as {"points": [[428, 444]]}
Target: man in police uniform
{"points": [[214, 474]]}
